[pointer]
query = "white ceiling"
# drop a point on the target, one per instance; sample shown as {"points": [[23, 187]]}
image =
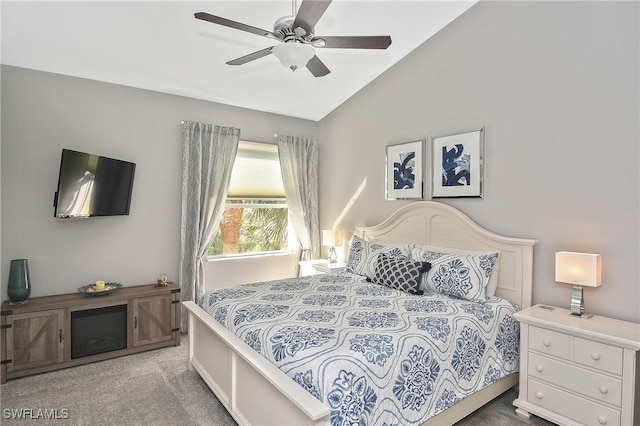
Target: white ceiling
{"points": [[160, 46]]}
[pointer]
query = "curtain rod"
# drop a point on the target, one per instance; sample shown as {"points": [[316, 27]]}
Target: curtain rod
{"points": [[270, 143]]}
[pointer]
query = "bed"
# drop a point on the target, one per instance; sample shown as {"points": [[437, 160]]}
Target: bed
{"points": [[256, 392]]}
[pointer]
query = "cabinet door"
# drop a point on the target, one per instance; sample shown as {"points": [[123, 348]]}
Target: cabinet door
{"points": [[35, 339], [153, 319]]}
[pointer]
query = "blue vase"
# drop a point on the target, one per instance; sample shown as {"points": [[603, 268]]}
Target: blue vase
{"points": [[19, 287]]}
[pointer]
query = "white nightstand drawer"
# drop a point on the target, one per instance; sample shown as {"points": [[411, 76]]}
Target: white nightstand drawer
{"points": [[598, 355], [572, 406], [578, 370], [576, 379], [550, 342]]}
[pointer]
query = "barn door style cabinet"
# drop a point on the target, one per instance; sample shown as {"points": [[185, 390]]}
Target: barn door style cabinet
{"points": [[35, 339], [53, 332], [154, 319]]}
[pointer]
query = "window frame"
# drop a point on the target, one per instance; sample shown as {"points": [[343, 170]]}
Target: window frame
{"points": [[255, 202]]}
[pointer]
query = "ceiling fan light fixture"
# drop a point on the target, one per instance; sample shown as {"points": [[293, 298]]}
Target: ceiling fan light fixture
{"points": [[293, 55]]}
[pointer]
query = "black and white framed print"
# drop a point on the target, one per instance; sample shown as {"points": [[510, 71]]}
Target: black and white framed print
{"points": [[405, 170], [458, 165]]}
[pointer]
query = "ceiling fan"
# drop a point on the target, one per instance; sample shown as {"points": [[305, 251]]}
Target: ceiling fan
{"points": [[297, 34]]}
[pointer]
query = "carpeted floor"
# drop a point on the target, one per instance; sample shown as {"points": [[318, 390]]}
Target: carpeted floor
{"points": [[152, 388]]}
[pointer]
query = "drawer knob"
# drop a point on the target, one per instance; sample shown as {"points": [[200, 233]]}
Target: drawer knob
{"points": [[539, 368], [546, 342], [603, 389], [595, 356], [602, 420], [539, 395]]}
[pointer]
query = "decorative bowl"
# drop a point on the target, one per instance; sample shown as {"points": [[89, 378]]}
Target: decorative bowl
{"points": [[91, 291]]}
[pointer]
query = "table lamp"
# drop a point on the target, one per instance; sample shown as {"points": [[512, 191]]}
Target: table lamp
{"points": [[579, 269]]}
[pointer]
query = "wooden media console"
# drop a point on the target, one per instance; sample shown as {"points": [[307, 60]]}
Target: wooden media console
{"points": [[53, 332]]}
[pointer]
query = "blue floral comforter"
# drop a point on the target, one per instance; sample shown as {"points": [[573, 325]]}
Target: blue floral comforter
{"points": [[374, 355]]}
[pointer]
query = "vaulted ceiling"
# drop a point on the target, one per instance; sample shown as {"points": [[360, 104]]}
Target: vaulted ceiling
{"points": [[160, 46]]}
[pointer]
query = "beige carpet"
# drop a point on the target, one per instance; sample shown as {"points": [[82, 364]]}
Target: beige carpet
{"points": [[151, 388]]}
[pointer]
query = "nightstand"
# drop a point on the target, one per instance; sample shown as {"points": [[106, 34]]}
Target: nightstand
{"points": [[319, 266], [578, 371], [328, 268]]}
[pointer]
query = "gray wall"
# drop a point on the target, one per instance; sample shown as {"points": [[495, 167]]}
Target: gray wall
{"points": [[555, 85], [43, 113]]}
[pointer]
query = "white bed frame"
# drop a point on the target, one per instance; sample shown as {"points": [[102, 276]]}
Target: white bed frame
{"points": [[255, 392]]}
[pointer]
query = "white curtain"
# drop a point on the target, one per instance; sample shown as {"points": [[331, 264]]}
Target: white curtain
{"points": [[208, 154], [299, 165]]}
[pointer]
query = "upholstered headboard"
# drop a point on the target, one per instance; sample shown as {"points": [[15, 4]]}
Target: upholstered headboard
{"points": [[434, 223]]}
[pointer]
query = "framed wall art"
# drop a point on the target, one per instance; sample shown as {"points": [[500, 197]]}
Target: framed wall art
{"points": [[458, 165], [405, 170]]}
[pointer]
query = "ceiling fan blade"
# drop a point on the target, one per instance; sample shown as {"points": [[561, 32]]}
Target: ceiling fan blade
{"points": [[232, 24], [309, 13], [317, 67], [352, 42], [251, 56]]}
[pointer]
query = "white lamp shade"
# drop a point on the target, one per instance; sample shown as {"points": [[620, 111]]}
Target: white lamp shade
{"points": [[578, 268], [331, 237], [293, 55]]}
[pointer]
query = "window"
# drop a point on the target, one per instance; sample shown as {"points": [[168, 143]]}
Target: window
{"points": [[256, 217]]}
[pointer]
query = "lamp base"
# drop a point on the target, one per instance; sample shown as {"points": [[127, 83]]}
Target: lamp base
{"points": [[333, 257], [577, 302]]}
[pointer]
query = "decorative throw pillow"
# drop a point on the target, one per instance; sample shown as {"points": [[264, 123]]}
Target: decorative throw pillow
{"points": [[363, 255], [492, 285], [401, 274], [464, 276]]}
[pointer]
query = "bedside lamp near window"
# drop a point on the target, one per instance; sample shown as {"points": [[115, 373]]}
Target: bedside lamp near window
{"points": [[579, 269], [331, 238]]}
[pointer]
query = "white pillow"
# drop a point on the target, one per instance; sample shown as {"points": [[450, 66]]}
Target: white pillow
{"points": [[490, 291], [459, 273], [363, 255]]}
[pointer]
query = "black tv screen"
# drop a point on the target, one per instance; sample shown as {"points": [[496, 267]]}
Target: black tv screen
{"points": [[90, 185]]}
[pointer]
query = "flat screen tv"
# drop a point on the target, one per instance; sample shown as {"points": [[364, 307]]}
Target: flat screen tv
{"points": [[90, 185]]}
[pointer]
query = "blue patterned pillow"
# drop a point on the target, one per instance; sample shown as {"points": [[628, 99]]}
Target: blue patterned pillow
{"points": [[363, 255], [401, 274], [464, 276]]}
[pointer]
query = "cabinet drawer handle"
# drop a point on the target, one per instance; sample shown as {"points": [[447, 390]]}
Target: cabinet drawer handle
{"points": [[602, 420], [539, 395], [595, 356], [546, 342], [539, 368], [603, 389]]}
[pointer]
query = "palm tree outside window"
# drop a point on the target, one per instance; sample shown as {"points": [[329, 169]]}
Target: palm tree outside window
{"points": [[256, 217]]}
